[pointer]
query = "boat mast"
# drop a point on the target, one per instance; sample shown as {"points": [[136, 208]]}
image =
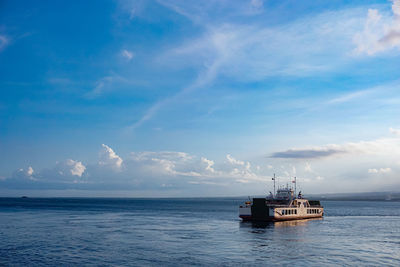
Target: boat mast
{"points": [[295, 186], [274, 183]]}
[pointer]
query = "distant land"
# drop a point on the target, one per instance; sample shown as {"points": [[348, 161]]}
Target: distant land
{"points": [[365, 196], [372, 196]]}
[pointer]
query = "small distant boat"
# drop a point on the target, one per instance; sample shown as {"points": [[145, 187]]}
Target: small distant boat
{"points": [[24, 197], [282, 206]]}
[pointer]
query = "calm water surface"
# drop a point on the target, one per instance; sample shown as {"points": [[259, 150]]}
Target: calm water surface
{"points": [[137, 232]]}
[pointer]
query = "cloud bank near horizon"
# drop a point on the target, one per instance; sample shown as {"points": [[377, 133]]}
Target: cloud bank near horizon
{"points": [[177, 171]]}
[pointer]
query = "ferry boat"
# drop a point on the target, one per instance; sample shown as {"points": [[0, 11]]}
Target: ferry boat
{"points": [[282, 206]]}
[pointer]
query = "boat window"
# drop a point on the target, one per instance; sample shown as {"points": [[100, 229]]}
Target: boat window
{"points": [[295, 211]]}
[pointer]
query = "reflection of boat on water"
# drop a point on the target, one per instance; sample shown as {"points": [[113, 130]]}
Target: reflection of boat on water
{"points": [[298, 222], [282, 206], [277, 224]]}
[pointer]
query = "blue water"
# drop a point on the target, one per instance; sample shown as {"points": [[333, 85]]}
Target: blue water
{"points": [[204, 232]]}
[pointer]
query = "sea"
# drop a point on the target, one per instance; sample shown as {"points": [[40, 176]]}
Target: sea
{"points": [[192, 232]]}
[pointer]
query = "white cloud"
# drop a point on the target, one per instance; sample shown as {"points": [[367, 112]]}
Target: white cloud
{"points": [[394, 131], [307, 168], [209, 163], [30, 171], [109, 158], [24, 174], [180, 164], [127, 54], [64, 171], [381, 170], [234, 161], [381, 31], [76, 167]]}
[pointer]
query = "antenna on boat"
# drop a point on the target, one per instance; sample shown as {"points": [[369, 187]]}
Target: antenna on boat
{"points": [[295, 186], [274, 178]]}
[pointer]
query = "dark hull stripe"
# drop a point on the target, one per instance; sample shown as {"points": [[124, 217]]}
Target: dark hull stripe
{"points": [[273, 219]]}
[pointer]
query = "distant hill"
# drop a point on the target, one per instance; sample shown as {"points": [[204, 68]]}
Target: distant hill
{"points": [[375, 196]]}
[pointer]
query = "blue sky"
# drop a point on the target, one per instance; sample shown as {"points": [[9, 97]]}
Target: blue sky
{"points": [[198, 98]]}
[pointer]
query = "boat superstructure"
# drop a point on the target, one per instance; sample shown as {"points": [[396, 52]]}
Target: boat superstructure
{"points": [[282, 206]]}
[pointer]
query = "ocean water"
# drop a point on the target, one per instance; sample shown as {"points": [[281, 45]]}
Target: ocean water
{"points": [[182, 232]]}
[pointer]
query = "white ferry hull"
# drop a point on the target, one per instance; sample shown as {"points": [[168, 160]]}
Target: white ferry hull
{"points": [[297, 210]]}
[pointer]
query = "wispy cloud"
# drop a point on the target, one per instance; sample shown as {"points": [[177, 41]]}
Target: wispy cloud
{"points": [[204, 78], [4, 41], [253, 52], [107, 84], [128, 55], [352, 96], [257, 3]]}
